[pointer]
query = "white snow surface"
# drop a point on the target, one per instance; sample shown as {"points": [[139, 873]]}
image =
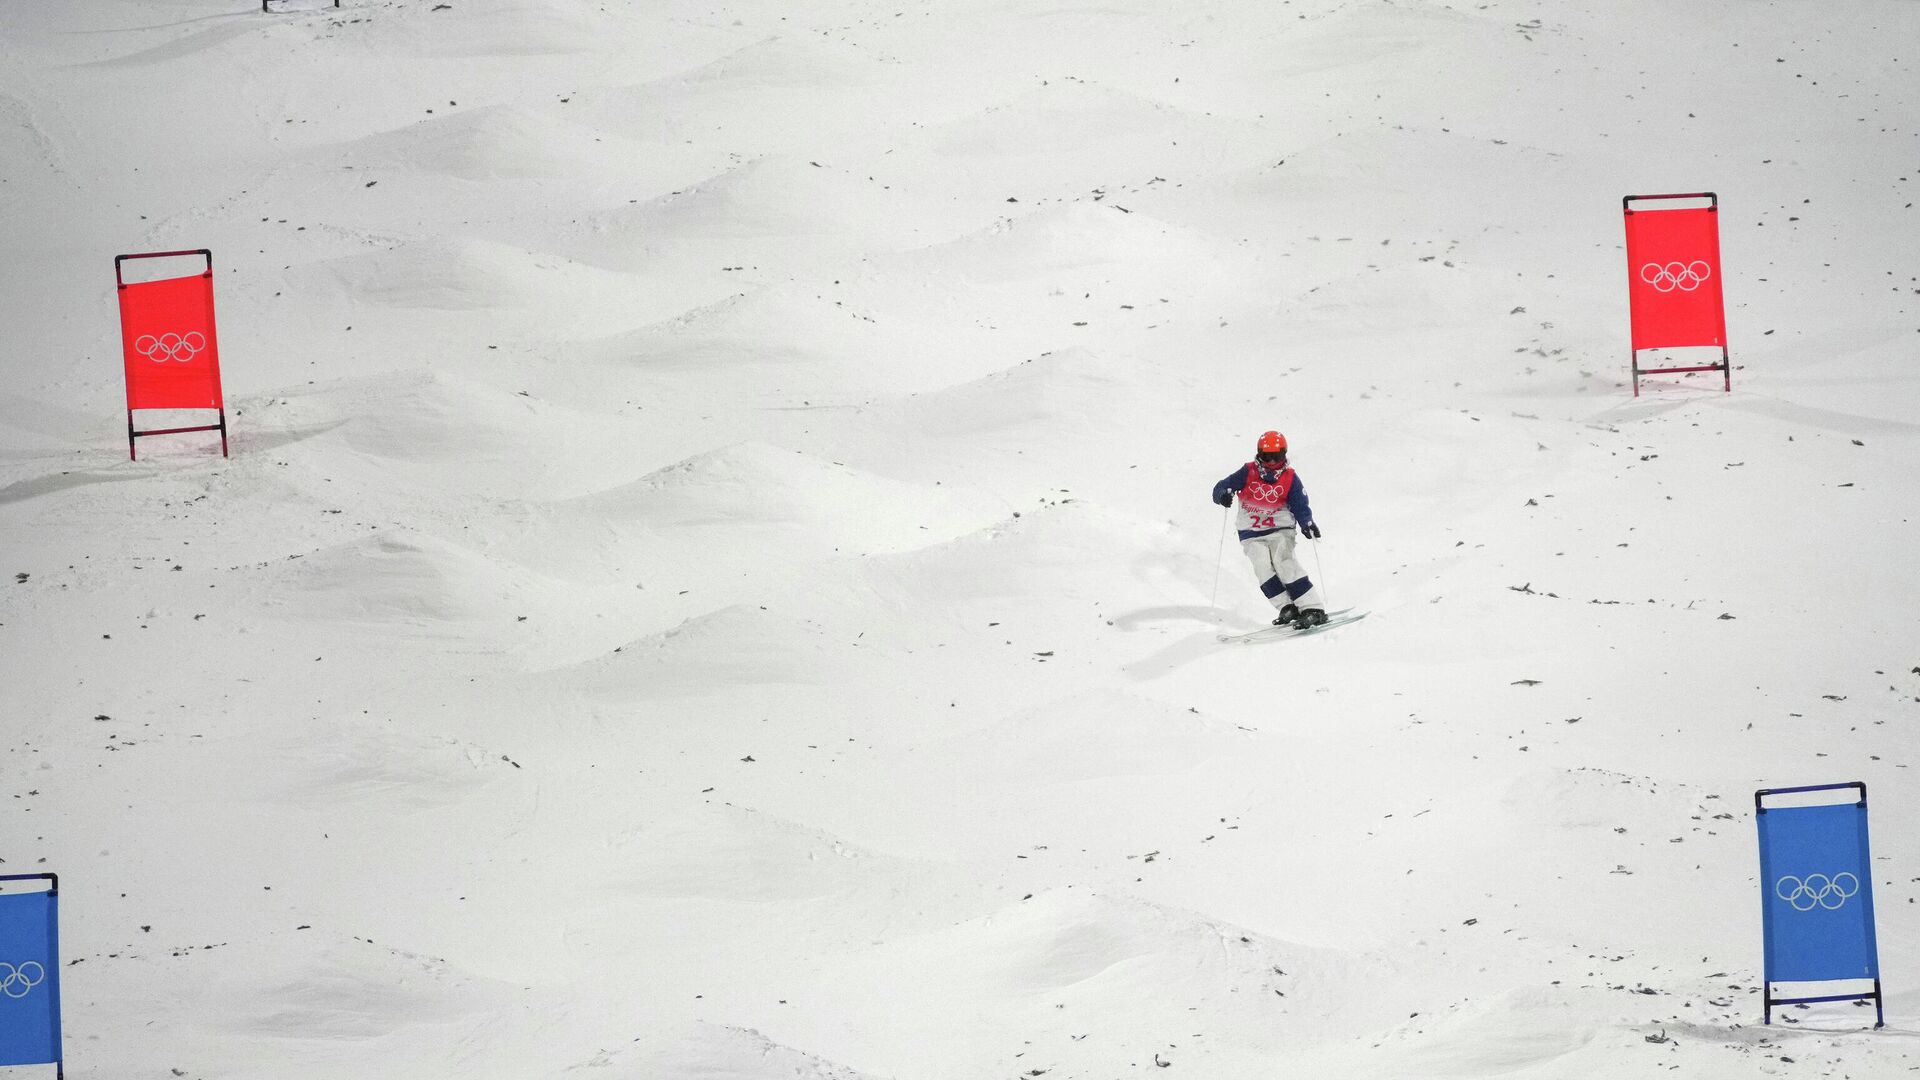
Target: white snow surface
{"points": [[715, 576]]}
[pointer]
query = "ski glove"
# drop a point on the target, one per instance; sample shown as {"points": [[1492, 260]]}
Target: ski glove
{"points": [[1310, 531], [1225, 498]]}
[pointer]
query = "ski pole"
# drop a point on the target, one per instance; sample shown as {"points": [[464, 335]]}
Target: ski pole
{"points": [[1219, 555], [1321, 575]]}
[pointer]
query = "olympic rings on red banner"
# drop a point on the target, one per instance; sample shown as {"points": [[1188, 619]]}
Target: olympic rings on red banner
{"points": [[165, 347], [1676, 275]]}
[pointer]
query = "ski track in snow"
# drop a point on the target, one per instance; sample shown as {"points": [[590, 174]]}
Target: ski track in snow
{"points": [[714, 574]]}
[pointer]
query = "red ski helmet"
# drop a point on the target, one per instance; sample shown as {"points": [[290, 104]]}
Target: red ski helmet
{"points": [[1272, 443]]}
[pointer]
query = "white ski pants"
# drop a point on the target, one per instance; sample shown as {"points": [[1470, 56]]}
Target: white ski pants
{"points": [[1282, 579]]}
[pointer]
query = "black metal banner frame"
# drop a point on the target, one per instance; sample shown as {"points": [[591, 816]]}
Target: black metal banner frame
{"points": [[120, 282], [1725, 366], [53, 890], [265, 8], [1767, 1000]]}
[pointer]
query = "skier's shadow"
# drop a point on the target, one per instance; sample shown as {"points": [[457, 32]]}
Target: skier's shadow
{"points": [[1134, 620], [1185, 649]]}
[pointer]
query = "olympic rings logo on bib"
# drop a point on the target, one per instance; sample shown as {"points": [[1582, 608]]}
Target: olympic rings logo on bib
{"points": [[1270, 494], [1817, 890], [18, 980], [164, 347], [1676, 275]]}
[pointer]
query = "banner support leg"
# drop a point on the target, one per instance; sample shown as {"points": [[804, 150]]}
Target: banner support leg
{"points": [[1726, 367], [131, 456], [223, 431], [1633, 361]]}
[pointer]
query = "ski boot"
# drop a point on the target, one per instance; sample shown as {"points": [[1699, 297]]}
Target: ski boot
{"points": [[1287, 615], [1309, 617]]}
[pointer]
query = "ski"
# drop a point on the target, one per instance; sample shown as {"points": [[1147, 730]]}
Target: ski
{"points": [[1341, 617]]}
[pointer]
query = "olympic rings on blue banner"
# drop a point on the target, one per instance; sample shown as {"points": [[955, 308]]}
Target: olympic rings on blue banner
{"points": [[16, 980], [1817, 889]]}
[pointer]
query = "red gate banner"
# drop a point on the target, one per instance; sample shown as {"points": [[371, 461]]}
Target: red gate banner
{"points": [[1673, 281], [169, 346]]}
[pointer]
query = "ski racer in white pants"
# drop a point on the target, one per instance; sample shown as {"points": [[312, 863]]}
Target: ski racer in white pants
{"points": [[1273, 506]]}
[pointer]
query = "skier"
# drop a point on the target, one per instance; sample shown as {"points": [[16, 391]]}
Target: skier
{"points": [[1272, 504]]}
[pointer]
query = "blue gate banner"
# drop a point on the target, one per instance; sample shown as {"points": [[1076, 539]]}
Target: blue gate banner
{"points": [[29, 979], [1816, 885]]}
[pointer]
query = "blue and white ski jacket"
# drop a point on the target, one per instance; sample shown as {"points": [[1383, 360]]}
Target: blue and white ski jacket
{"points": [[1270, 499]]}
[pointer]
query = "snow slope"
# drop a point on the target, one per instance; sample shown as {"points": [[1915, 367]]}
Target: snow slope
{"points": [[715, 580]]}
